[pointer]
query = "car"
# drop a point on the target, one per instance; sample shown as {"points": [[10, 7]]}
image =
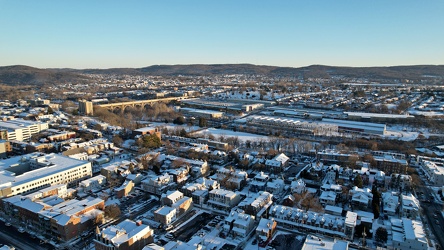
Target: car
{"points": [[437, 222], [254, 242], [7, 224], [435, 216], [21, 230]]}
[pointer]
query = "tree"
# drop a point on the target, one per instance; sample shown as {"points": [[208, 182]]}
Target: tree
{"points": [[112, 211], [179, 120], [183, 133], [358, 181], [376, 200], [381, 234], [151, 141], [202, 122], [50, 110], [117, 140]]}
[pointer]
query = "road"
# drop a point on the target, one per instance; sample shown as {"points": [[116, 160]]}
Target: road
{"points": [[11, 237], [429, 210]]}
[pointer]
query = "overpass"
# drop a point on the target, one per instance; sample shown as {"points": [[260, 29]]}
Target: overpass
{"points": [[140, 104]]}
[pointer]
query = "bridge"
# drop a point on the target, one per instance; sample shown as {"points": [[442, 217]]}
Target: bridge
{"points": [[139, 104]]}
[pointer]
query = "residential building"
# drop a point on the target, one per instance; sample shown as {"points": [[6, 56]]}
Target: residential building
{"points": [[165, 215], [125, 189], [409, 206], [294, 218], [127, 235], [93, 183], [158, 184], [223, 199], [408, 234], [258, 204], [266, 229], [328, 198], [278, 163], [390, 202], [239, 224], [298, 186]]}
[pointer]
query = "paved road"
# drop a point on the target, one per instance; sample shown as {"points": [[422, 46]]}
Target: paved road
{"points": [[10, 236], [429, 210]]}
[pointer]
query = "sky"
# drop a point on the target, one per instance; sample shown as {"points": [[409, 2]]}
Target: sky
{"points": [[109, 34]]}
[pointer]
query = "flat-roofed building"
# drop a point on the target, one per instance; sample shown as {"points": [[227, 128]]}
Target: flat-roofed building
{"points": [[223, 199], [86, 107], [317, 243], [32, 172], [21, 130]]}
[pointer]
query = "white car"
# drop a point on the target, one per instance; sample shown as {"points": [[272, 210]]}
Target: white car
{"points": [[21, 230]]}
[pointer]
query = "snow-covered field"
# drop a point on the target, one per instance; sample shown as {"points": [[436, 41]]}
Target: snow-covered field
{"points": [[171, 126], [228, 133]]}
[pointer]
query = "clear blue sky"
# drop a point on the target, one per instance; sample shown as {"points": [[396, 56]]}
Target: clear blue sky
{"points": [[105, 34]]}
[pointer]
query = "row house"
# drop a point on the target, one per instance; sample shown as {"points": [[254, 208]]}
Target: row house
{"points": [[258, 204], [223, 199], [294, 218]]}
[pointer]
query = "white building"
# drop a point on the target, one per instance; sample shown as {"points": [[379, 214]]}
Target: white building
{"points": [[239, 224], [298, 186], [408, 234], [294, 218], [409, 206], [125, 235], [96, 182], [314, 242], [328, 198], [223, 199], [21, 130], [165, 215], [391, 202], [32, 172], [434, 172]]}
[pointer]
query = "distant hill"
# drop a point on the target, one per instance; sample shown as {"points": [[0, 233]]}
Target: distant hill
{"points": [[395, 72], [13, 75], [25, 75]]}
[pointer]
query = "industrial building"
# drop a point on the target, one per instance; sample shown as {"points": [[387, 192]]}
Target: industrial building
{"points": [[357, 127]]}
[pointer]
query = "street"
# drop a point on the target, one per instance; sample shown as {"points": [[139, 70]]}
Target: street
{"points": [[10, 236], [429, 210]]}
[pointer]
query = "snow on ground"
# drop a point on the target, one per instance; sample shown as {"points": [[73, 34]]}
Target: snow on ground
{"points": [[400, 132], [401, 135], [172, 126], [128, 143], [228, 133]]}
